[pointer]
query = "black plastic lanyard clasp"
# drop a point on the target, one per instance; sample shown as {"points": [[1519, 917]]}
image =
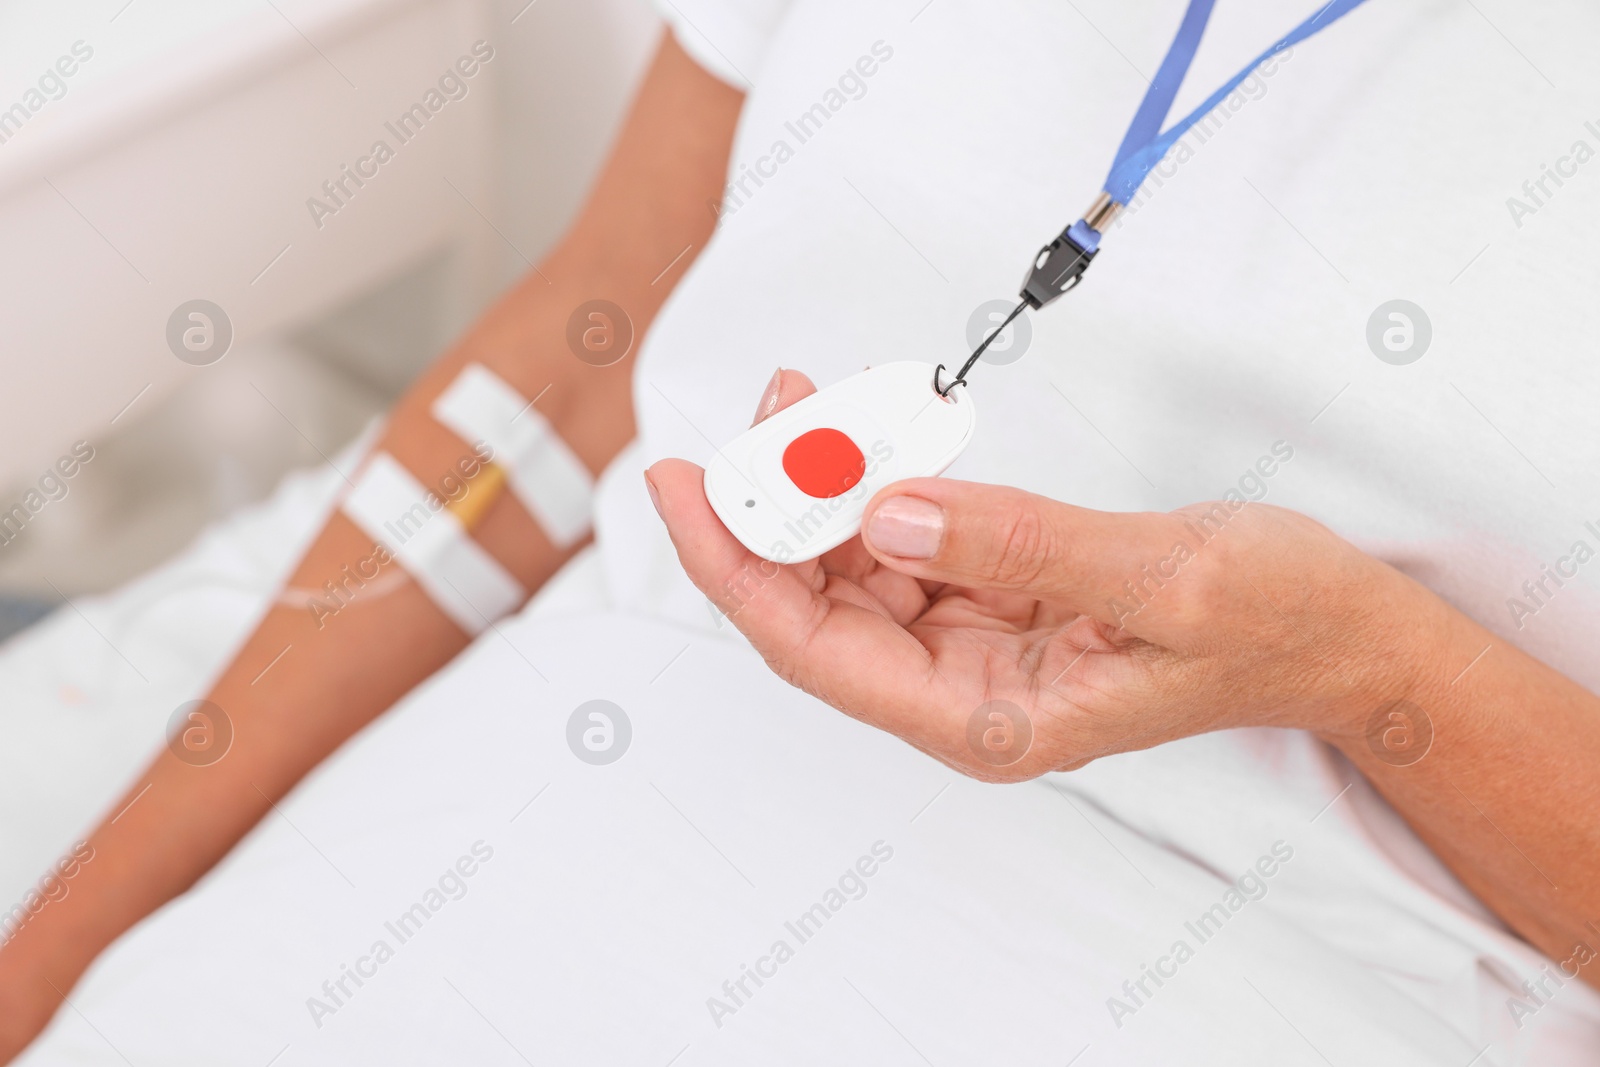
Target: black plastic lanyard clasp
{"points": [[1057, 269]]}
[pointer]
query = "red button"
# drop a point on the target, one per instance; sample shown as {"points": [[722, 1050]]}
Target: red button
{"points": [[824, 463]]}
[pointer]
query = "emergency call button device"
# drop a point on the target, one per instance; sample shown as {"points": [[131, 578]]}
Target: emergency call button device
{"points": [[796, 485]]}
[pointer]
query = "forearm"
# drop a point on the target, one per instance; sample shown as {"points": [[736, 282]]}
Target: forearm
{"points": [[1508, 792], [306, 680]]}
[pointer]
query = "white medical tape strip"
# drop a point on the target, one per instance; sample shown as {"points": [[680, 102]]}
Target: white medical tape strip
{"points": [[549, 480], [396, 510]]}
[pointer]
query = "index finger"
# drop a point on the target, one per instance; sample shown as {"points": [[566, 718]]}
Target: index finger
{"points": [[819, 631]]}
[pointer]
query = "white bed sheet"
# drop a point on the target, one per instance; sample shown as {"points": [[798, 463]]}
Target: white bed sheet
{"points": [[619, 898]]}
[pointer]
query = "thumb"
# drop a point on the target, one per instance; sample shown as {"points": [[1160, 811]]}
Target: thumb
{"points": [[996, 537]]}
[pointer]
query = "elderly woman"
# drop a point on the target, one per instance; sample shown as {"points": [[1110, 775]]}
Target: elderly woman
{"points": [[1308, 780]]}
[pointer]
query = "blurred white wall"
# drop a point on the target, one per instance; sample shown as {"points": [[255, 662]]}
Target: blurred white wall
{"points": [[175, 166]]}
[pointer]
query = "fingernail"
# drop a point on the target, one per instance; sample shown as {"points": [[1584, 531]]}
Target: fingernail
{"points": [[769, 398], [908, 527], [655, 497]]}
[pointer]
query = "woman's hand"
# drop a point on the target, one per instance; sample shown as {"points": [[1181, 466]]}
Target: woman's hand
{"points": [[1009, 635]]}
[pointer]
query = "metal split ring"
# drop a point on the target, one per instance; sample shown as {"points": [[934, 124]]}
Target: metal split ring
{"points": [[945, 392]]}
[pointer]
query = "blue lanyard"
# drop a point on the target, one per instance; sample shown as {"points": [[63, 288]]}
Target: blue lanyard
{"points": [[1059, 266], [1145, 145]]}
